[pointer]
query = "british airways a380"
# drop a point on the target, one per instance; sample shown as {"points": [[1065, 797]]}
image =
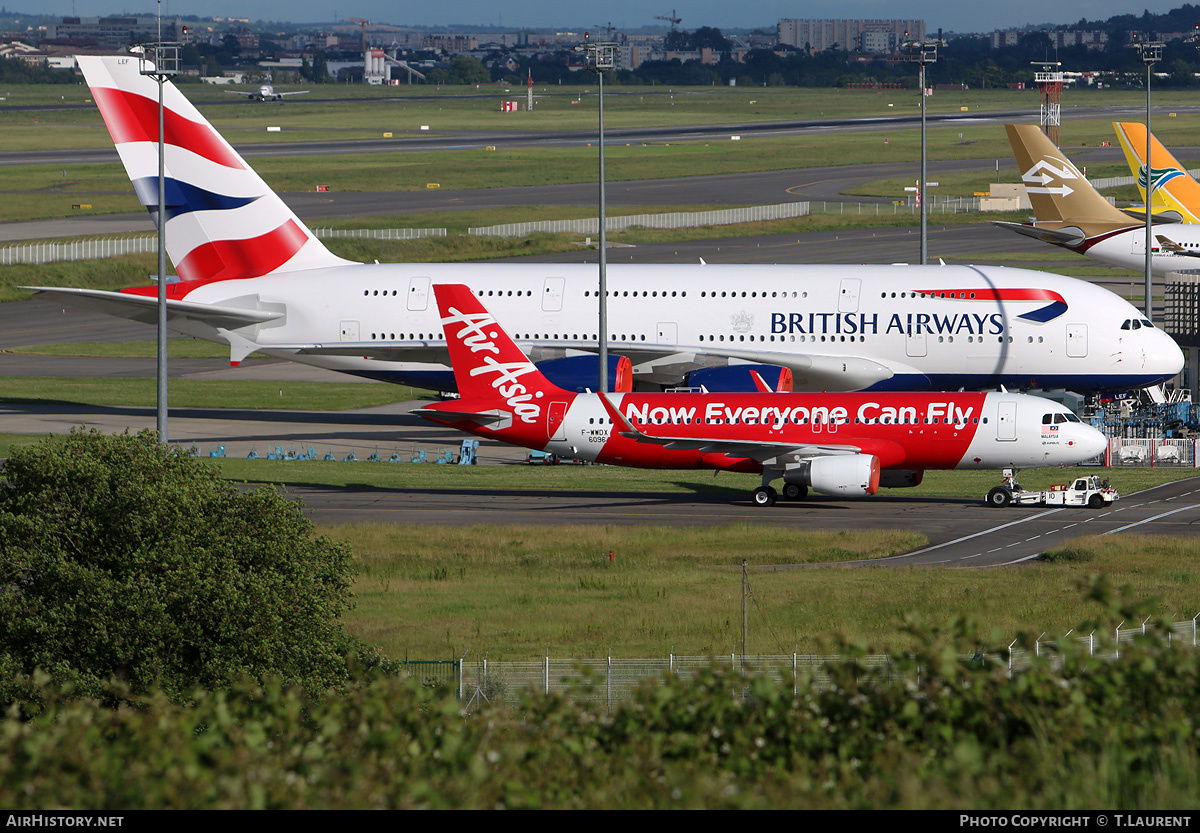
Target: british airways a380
{"points": [[251, 275]]}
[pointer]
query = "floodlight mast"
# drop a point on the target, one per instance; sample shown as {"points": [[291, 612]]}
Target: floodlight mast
{"points": [[1150, 52], [1050, 84], [600, 57], [160, 61], [923, 52]]}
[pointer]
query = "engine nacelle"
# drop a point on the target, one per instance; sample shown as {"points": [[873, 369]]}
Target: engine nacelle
{"points": [[848, 475], [582, 373], [900, 478], [736, 378]]}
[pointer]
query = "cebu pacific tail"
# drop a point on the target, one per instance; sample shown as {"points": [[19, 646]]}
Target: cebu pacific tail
{"points": [[1068, 210], [1174, 193], [222, 220]]}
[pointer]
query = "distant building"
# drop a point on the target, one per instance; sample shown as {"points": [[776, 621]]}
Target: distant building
{"points": [[114, 32], [878, 36], [1091, 39]]}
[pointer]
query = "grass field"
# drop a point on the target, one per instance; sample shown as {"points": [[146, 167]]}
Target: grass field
{"points": [[203, 393], [526, 592]]}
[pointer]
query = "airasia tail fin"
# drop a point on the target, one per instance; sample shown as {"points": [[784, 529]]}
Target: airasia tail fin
{"points": [[1175, 193], [496, 381], [222, 220]]}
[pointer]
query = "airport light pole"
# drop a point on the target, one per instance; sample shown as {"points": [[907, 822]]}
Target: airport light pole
{"points": [[923, 52], [160, 61], [1150, 53], [600, 57]]}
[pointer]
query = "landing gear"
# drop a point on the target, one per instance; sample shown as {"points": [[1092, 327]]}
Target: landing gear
{"points": [[764, 496]]}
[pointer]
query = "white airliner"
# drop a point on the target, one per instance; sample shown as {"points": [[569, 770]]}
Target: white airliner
{"points": [[267, 93], [1070, 213], [251, 275]]}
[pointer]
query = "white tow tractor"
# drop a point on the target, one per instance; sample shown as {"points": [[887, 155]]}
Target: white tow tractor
{"points": [[1084, 491]]}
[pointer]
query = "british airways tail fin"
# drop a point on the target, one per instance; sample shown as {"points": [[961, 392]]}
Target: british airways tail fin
{"points": [[1174, 189], [223, 221]]}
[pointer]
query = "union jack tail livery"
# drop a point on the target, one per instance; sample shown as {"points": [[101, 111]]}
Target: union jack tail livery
{"points": [[1175, 194], [223, 221]]}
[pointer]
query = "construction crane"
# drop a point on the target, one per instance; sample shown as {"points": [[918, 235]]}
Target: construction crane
{"points": [[364, 24], [674, 19]]}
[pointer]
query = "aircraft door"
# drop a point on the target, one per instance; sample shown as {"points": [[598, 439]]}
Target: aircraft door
{"points": [[668, 332], [349, 330], [418, 294], [1077, 346], [914, 342], [556, 421], [848, 299], [1006, 421], [552, 294]]}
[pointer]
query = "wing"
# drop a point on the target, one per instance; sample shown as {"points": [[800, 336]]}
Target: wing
{"points": [[144, 308], [239, 92], [664, 365], [292, 92]]}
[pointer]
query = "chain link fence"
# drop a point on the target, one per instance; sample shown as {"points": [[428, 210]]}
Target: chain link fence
{"points": [[675, 219], [101, 247], [614, 679]]}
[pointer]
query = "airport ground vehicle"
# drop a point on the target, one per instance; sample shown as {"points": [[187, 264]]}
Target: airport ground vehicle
{"points": [[1087, 491]]}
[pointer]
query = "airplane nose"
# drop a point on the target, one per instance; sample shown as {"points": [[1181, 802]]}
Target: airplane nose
{"points": [[1164, 355], [1089, 442]]}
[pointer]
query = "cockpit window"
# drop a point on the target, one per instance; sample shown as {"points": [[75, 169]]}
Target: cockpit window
{"points": [[1047, 419], [1146, 323], [1126, 324]]}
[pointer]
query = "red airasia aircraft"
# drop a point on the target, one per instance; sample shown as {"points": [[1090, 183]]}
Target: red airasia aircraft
{"points": [[833, 443]]}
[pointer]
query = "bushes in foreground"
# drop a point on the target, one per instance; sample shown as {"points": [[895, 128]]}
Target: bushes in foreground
{"points": [[122, 559], [1113, 735]]}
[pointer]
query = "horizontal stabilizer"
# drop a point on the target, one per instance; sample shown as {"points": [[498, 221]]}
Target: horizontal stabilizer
{"points": [[478, 417], [1069, 236], [144, 308], [1164, 217]]}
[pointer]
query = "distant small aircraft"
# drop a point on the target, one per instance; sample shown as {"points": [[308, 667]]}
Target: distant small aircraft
{"points": [[267, 93]]}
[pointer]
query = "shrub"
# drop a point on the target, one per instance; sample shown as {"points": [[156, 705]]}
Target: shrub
{"points": [[120, 558]]}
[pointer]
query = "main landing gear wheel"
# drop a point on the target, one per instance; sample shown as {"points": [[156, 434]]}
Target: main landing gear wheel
{"points": [[764, 496], [999, 497], [794, 491]]}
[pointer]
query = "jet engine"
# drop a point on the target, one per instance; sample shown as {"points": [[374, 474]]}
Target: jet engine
{"points": [[850, 475], [582, 373], [735, 378]]}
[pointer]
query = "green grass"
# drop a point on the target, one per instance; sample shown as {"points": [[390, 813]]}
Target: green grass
{"points": [[521, 592], [569, 478], [195, 393], [177, 348]]}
